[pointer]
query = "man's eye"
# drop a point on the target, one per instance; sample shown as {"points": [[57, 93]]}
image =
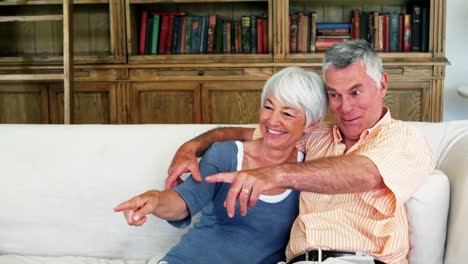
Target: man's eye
{"points": [[357, 92], [332, 94]]}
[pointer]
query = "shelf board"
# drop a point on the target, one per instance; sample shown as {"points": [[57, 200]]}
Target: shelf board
{"points": [[188, 1], [48, 2], [32, 77], [200, 58], [30, 18]]}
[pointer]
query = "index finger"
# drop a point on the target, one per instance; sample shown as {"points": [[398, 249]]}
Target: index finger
{"points": [[127, 205], [227, 177]]}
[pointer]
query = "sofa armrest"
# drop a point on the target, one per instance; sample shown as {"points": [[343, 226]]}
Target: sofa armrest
{"points": [[454, 162]]}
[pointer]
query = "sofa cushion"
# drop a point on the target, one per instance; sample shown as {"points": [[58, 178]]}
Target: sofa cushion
{"points": [[427, 216], [16, 259]]}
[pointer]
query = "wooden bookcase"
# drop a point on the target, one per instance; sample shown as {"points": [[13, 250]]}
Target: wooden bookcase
{"points": [[114, 83]]}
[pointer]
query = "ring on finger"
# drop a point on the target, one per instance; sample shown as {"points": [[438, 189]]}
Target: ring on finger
{"points": [[247, 191]]}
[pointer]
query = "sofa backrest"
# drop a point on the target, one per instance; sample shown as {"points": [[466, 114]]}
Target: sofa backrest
{"points": [[61, 183]]}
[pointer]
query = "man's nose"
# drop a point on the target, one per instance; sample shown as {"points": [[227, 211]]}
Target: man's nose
{"points": [[346, 105]]}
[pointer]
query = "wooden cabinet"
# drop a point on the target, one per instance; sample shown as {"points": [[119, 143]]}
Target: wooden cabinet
{"points": [[116, 83]]}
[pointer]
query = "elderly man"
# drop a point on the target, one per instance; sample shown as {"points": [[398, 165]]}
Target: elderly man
{"points": [[358, 175]]}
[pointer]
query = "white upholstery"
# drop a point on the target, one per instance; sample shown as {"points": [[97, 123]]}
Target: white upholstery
{"points": [[60, 184]]}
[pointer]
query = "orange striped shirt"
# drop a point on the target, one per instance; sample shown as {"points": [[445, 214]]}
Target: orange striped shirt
{"points": [[375, 221]]}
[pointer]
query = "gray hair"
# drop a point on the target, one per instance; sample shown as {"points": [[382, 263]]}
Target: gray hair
{"points": [[299, 88], [343, 54]]}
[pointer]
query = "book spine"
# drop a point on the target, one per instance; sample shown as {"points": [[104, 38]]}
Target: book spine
{"points": [[313, 31], [253, 34], [356, 24], [211, 33], [293, 33], [170, 34], [265, 34], [163, 34], [233, 36], [416, 28], [176, 35], [245, 34], [188, 35], [182, 35], [407, 42], [425, 30], [259, 35], [219, 36], [394, 32], [155, 40], [386, 32], [149, 34], [238, 36], [195, 45], [364, 26], [144, 21]]}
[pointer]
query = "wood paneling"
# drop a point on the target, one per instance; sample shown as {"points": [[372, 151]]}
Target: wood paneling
{"points": [[94, 103], [231, 102], [23, 104], [165, 102]]}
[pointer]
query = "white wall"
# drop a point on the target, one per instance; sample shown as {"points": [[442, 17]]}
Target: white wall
{"points": [[456, 51]]}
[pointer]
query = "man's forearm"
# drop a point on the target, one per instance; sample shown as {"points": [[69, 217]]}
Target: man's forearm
{"points": [[199, 144], [333, 175]]}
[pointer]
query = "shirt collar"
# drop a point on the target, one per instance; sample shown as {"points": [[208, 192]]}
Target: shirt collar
{"points": [[337, 137]]}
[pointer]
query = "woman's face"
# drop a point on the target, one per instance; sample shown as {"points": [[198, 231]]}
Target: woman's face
{"points": [[282, 125]]}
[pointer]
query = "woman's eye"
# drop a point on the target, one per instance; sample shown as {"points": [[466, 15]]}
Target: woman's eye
{"points": [[288, 114], [267, 107]]}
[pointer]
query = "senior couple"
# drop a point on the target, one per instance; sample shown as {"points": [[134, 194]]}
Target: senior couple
{"points": [[295, 189]]}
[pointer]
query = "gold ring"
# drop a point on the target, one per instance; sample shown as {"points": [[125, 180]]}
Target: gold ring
{"points": [[247, 191]]}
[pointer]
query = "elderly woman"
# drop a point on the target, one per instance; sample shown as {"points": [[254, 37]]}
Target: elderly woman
{"points": [[293, 103]]}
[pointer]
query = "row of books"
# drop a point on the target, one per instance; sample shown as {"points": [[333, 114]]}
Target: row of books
{"points": [[178, 33], [387, 32], [393, 32]]}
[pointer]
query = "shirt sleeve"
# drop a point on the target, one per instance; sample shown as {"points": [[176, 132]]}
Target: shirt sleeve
{"points": [[197, 195], [404, 160]]}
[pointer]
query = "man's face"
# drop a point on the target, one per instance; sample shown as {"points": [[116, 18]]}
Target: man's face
{"points": [[355, 100]]}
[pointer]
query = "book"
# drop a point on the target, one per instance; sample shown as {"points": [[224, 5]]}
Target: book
{"points": [[293, 33], [407, 34], [227, 34], [149, 34], [416, 28], [143, 24], [245, 34], [195, 43], [211, 33], [188, 35], [386, 32], [155, 35], [176, 35], [356, 24], [238, 36], [364, 25], [259, 35], [163, 34], [183, 31], [313, 31], [219, 35], [265, 34], [346, 26], [302, 32], [425, 30], [170, 34], [253, 34], [394, 32]]}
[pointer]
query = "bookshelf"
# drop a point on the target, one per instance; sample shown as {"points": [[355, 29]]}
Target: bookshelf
{"points": [[116, 83]]}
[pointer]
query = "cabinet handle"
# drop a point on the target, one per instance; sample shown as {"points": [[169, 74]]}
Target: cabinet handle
{"points": [[200, 73]]}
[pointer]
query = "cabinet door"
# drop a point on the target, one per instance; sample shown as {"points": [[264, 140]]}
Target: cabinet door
{"points": [[165, 102], [95, 103], [23, 103], [409, 100], [98, 32], [231, 102]]}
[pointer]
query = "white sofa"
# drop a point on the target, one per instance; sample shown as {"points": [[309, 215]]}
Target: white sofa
{"points": [[60, 184]]}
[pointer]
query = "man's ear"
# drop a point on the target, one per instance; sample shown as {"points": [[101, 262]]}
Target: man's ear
{"points": [[311, 127], [384, 84]]}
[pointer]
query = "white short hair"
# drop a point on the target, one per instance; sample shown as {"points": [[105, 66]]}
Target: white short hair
{"points": [[299, 88]]}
